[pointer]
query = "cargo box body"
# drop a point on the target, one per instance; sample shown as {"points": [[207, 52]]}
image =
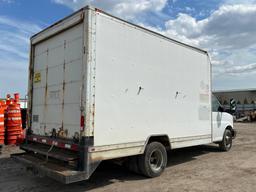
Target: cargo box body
{"points": [[134, 84], [101, 82]]}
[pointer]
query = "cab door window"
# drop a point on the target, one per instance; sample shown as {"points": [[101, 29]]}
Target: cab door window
{"points": [[215, 104]]}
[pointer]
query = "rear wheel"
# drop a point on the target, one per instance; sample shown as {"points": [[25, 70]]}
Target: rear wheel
{"points": [[153, 162], [226, 142]]}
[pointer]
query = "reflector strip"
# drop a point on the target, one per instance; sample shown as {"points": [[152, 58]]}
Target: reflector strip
{"points": [[82, 123], [50, 141], [13, 111], [14, 118]]}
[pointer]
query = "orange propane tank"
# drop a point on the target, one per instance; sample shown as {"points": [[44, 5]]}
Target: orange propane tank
{"points": [[13, 123]]}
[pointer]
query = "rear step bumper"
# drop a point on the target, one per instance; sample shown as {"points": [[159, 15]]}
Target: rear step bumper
{"points": [[61, 173], [57, 153]]}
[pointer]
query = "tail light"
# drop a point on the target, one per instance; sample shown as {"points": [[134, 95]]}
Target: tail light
{"points": [[82, 123]]}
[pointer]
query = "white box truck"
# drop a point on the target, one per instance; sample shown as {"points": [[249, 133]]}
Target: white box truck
{"points": [[102, 88]]}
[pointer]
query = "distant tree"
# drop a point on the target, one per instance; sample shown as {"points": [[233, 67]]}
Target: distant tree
{"points": [[225, 102], [245, 101]]}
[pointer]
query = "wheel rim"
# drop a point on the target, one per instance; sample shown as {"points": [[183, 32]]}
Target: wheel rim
{"points": [[228, 140], [156, 160]]}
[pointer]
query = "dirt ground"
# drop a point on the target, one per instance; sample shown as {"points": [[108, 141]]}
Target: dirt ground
{"points": [[202, 168]]}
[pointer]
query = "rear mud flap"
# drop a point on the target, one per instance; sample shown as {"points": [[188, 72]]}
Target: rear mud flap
{"points": [[61, 173]]}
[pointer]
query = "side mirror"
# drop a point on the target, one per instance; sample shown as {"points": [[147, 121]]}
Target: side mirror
{"points": [[232, 105], [221, 109]]}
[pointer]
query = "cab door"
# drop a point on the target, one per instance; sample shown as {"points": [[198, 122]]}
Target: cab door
{"points": [[217, 120]]}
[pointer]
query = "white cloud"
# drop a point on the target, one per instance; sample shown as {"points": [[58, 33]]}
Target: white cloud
{"points": [[234, 2], [242, 69], [229, 34], [6, 1], [22, 26], [231, 26], [127, 9], [14, 52]]}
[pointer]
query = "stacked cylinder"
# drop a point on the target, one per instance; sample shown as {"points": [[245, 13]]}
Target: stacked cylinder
{"points": [[13, 123], [14, 130], [2, 127], [11, 131]]}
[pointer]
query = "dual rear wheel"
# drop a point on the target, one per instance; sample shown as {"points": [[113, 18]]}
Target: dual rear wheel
{"points": [[152, 163]]}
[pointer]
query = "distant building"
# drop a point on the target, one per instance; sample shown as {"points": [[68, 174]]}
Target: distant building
{"points": [[245, 99], [23, 103]]}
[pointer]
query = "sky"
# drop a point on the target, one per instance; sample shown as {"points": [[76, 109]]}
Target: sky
{"points": [[225, 28]]}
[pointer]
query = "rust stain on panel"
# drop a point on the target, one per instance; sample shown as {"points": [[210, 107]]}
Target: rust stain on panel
{"points": [[46, 92], [63, 94], [65, 132]]}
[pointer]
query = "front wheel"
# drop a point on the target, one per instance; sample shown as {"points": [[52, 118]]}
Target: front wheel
{"points": [[226, 143], [153, 162]]}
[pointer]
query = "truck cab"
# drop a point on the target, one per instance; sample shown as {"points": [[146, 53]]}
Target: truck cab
{"points": [[222, 125]]}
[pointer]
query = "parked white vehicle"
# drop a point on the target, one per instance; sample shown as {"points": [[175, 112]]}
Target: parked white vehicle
{"points": [[222, 124], [102, 88]]}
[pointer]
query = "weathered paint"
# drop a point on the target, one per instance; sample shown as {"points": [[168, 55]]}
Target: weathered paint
{"points": [[59, 61]]}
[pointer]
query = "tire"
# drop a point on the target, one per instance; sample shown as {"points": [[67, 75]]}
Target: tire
{"points": [[226, 143], [153, 162]]}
